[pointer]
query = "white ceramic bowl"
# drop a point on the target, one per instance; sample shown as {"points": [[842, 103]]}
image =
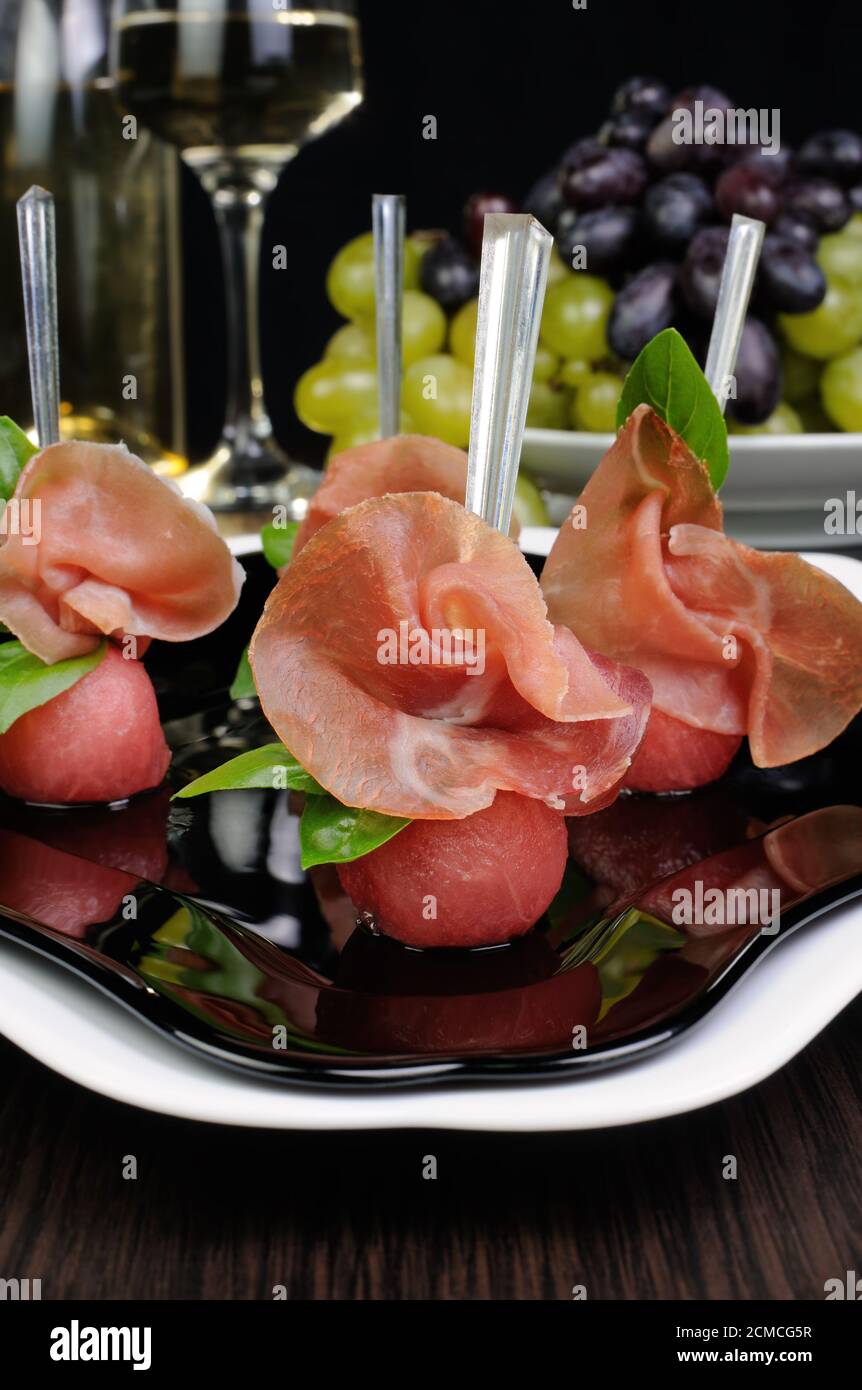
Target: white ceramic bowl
{"points": [[775, 493]]}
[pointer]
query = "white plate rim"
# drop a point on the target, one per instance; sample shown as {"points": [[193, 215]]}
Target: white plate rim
{"points": [[770, 1017]]}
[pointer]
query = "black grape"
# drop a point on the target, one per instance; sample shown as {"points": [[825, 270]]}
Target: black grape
{"points": [[643, 307], [790, 276], [758, 375]]}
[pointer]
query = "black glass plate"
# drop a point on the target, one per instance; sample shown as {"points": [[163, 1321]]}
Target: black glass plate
{"points": [[198, 917]]}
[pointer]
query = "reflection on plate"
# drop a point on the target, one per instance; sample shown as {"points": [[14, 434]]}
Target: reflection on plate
{"points": [[231, 949]]}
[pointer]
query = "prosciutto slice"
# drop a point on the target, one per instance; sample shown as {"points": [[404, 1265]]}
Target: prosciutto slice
{"points": [[733, 641], [418, 726], [406, 463], [119, 551]]}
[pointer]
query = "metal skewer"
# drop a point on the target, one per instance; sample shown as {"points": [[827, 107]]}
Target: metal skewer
{"points": [[734, 292], [388, 221], [516, 251], [37, 243]]}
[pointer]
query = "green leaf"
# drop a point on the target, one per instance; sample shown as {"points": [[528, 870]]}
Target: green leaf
{"points": [[271, 766], [243, 687], [26, 682], [330, 833], [277, 542], [15, 450], [666, 377]]}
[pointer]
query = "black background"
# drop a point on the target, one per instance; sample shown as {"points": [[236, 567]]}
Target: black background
{"points": [[511, 85]]}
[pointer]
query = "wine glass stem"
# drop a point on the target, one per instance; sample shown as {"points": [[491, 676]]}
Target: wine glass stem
{"points": [[239, 215]]}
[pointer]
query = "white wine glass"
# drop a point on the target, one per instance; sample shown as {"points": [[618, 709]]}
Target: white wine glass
{"points": [[238, 86]]}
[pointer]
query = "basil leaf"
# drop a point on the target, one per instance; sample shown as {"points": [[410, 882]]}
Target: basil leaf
{"points": [[666, 377], [330, 833], [271, 766], [26, 682], [277, 542], [243, 687], [15, 450]]}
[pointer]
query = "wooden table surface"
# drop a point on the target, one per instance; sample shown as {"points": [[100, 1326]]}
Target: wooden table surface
{"points": [[635, 1213]]}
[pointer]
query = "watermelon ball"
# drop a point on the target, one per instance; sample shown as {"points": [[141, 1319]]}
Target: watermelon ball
{"points": [[479, 881], [676, 757], [100, 740]]}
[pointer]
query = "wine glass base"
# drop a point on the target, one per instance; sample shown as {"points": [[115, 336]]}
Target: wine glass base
{"points": [[228, 482]]}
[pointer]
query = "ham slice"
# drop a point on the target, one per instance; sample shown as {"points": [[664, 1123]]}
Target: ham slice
{"points": [[429, 739], [120, 551], [406, 463], [733, 641]]}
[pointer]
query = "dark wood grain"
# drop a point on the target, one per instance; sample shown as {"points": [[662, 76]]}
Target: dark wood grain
{"points": [[636, 1213]]}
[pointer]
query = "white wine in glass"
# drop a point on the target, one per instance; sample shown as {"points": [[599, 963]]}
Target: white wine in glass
{"points": [[238, 86]]}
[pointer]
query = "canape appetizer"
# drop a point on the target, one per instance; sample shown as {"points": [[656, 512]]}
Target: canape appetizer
{"points": [[116, 557], [735, 643], [406, 660]]}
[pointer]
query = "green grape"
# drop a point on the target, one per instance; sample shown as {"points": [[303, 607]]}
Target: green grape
{"points": [[841, 390], [575, 318], [437, 392], [832, 328], [854, 226], [423, 331], [548, 407], [595, 405], [529, 508], [363, 430], [462, 342], [423, 327], [557, 270], [350, 278], [574, 372], [423, 241], [546, 364], [462, 332], [783, 420], [801, 375], [334, 392], [840, 258], [351, 341]]}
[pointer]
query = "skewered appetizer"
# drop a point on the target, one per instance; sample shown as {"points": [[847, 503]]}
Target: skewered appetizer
{"points": [[734, 642], [406, 660], [112, 557]]}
